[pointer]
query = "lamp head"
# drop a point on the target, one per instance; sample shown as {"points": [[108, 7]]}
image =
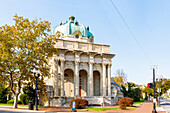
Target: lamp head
{"points": [[38, 72], [34, 70]]}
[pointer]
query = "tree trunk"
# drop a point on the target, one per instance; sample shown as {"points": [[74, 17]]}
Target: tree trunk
{"points": [[15, 101]]}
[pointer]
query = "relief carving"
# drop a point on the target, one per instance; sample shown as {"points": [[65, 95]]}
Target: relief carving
{"points": [[83, 65], [97, 67], [69, 65]]}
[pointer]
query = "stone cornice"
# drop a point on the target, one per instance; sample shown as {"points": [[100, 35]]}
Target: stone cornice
{"points": [[62, 50], [69, 52], [80, 41], [92, 53], [108, 55]]}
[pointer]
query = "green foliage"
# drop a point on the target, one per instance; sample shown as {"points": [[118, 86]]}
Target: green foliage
{"points": [[105, 108], [3, 93], [30, 92], [124, 91], [24, 46], [80, 103], [12, 101], [140, 102], [148, 91], [164, 85], [146, 97], [132, 92], [24, 98]]}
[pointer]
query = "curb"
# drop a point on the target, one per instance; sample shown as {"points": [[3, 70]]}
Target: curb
{"points": [[160, 109]]}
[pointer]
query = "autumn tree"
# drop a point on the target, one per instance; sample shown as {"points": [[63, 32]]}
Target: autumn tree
{"points": [[24, 46], [120, 77]]}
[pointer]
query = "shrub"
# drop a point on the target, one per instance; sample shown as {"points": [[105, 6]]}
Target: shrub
{"points": [[3, 93], [125, 101], [24, 98], [12, 101], [80, 103], [129, 101]]}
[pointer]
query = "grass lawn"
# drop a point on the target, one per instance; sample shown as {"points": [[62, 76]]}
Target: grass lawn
{"points": [[103, 109], [19, 105], [140, 102]]}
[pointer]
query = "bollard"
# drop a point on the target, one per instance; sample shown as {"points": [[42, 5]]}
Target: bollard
{"points": [[74, 106], [30, 105]]}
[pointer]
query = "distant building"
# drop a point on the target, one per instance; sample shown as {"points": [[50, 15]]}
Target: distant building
{"points": [[116, 92], [82, 69]]}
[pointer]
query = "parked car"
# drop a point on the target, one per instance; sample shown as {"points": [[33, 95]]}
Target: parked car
{"points": [[161, 97]]}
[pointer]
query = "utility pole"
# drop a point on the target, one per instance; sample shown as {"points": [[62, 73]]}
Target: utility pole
{"points": [[159, 90], [159, 94], [154, 99]]}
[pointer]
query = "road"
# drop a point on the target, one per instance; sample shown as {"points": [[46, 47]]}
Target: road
{"points": [[165, 103]]}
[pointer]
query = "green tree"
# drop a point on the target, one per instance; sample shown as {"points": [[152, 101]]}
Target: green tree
{"points": [[30, 91], [24, 46], [3, 91], [120, 77], [148, 91], [164, 85], [131, 91]]}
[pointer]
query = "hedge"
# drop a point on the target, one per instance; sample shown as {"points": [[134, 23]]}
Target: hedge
{"points": [[24, 98], [12, 101]]}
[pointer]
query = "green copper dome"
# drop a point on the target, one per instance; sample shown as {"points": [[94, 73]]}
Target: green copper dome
{"points": [[69, 28]]}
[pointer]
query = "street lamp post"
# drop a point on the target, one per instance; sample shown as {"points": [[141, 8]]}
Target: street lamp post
{"points": [[154, 108], [36, 77]]}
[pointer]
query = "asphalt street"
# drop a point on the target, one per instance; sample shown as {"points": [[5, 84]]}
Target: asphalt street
{"points": [[165, 103]]}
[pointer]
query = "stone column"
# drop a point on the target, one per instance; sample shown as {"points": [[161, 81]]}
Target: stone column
{"points": [[90, 79], [101, 84], [62, 77], [104, 79], [76, 79], [55, 86], [88, 93], [109, 79]]}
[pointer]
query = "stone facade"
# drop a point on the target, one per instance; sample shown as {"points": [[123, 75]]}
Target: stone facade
{"points": [[116, 93], [82, 69]]}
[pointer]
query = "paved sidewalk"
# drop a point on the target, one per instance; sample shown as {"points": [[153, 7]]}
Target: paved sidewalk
{"points": [[146, 107]]}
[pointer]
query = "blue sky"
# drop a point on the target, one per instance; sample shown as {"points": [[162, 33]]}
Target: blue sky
{"points": [[149, 20]]}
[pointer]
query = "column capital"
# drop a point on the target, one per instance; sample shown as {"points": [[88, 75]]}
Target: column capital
{"points": [[56, 59], [91, 62], [62, 60], [104, 64], [77, 62], [92, 54], [78, 52], [110, 64]]}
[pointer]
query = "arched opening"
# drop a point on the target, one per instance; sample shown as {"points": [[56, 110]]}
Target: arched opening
{"points": [[82, 83], [96, 83], [69, 82]]}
